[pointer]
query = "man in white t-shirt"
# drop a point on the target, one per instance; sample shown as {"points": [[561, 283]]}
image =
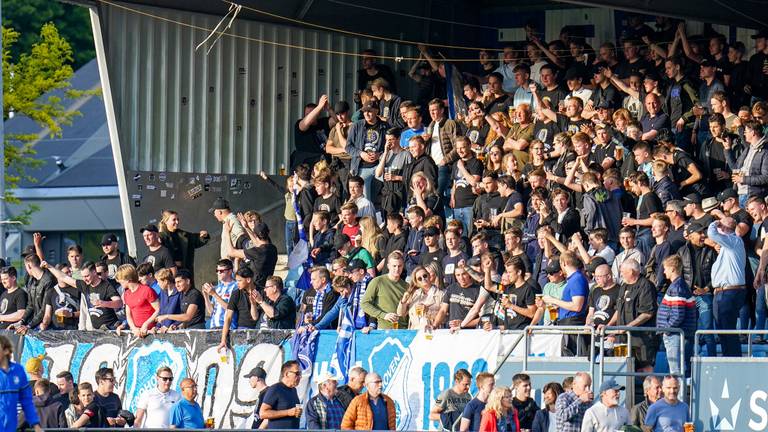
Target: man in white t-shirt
{"points": [[154, 408]]}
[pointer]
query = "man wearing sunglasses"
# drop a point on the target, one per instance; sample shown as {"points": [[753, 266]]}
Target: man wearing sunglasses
{"points": [[217, 296], [186, 413], [280, 406], [154, 407], [106, 398]]}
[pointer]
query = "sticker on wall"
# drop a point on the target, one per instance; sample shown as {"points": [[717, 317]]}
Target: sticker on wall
{"points": [[195, 192], [169, 185], [207, 187], [173, 196], [137, 177], [246, 185], [216, 189], [163, 193], [151, 176], [208, 179], [151, 187], [137, 203], [161, 177], [136, 196], [139, 188]]}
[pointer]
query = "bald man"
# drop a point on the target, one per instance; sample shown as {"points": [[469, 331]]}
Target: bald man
{"points": [[186, 413], [571, 405], [371, 410], [728, 281]]}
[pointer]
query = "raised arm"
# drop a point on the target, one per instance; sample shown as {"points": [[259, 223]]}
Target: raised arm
{"points": [[306, 122]]}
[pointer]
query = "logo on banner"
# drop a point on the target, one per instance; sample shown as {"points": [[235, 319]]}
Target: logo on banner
{"points": [[390, 358], [722, 423]]}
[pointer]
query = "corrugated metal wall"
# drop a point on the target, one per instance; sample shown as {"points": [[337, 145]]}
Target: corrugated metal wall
{"points": [[231, 111]]}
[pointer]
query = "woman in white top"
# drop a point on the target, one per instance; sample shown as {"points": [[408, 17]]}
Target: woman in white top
{"points": [[422, 300]]}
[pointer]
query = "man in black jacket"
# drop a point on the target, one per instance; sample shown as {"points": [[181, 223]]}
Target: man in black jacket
{"points": [[39, 282], [421, 162], [365, 143], [112, 255], [49, 409], [698, 259], [565, 221]]}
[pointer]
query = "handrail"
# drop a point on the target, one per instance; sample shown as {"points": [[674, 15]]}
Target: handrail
{"points": [[521, 335], [564, 330], [728, 332]]}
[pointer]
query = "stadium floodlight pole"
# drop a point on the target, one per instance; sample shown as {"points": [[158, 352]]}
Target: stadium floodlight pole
{"points": [[2, 151]]}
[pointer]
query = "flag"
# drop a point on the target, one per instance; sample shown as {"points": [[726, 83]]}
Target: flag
{"points": [[300, 256], [304, 348], [455, 92], [344, 343]]}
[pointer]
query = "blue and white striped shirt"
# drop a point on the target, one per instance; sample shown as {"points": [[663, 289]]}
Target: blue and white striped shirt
{"points": [[224, 290]]}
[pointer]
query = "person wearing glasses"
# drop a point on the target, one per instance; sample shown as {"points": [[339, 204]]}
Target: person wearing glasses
{"points": [[372, 410], [281, 407], [106, 398], [217, 297], [154, 408], [186, 413]]}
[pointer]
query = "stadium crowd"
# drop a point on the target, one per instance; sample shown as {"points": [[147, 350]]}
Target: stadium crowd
{"points": [[572, 186]]}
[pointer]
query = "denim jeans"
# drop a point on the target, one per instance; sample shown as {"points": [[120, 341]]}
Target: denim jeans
{"points": [[672, 347], [727, 305], [367, 174], [464, 214], [760, 309], [644, 242], [706, 322], [290, 233]]}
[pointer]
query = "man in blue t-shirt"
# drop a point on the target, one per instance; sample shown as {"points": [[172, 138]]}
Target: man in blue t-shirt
{"points": [[470, 418], [668, 413], [186, 413], [573, 304], [280, 406]]}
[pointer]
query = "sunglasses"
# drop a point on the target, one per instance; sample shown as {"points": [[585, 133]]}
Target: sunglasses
{"points": [[422, 277], [222, 270], [166, 379]]}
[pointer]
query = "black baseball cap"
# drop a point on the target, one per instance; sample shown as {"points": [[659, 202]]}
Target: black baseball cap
{"points": [[370, 106], [692, 198], [356, 264], [708, 63], [553, 266], [762, 34], [695, 227], [728, 193], [341, 107], [28, 250], [108, 239], [220, 204], [257, 372], [150, 228]]}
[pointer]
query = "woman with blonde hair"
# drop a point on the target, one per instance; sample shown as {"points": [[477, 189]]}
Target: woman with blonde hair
{"points": [[499, 415], [436, 274], [494, 159], [180, 243], [371, 237], [621, 119], [422, 300], [500, 126], [424, 195]]}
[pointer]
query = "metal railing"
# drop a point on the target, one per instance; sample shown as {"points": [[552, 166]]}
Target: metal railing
{"points": [[748, 333], [563, 330]]}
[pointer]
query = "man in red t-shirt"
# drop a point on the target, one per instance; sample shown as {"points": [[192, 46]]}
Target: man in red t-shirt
{"points": [[141, 302], [349, 225]]}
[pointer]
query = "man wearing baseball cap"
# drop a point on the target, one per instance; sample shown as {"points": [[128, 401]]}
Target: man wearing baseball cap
{"points": [[112, 255], [337, 142], [365, 143], [606, 414], [324, 411], [157, 255], [257, 379]]}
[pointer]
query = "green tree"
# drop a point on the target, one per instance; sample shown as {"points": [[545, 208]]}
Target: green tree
{"points": [[28, 16], [30, 84]]}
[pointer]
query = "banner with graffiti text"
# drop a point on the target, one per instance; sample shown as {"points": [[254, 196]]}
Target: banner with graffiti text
{"points": [[414, 366]]}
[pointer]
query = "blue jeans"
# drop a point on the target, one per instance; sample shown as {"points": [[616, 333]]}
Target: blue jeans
{"points": [[727, 306], [290, 232], [367, 174], [644, 242], [444, 189], [760, 309], [702, 135], [672, 346], [464, 214], [704, 306]]}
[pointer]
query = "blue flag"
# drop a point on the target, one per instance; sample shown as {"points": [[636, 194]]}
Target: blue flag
{"points": [[344, 343], [304, 348]]}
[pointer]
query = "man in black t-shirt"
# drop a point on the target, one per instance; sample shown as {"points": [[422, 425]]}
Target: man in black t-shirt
{"points": [[310, 134], [602, 298], [13, 301], [518, 305], [112, 255], [261, 258], [106, 398], [241, 306], [99, 297], [458, 300], [466, 174], [192, 308], [157, 255], [281, 406]]}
